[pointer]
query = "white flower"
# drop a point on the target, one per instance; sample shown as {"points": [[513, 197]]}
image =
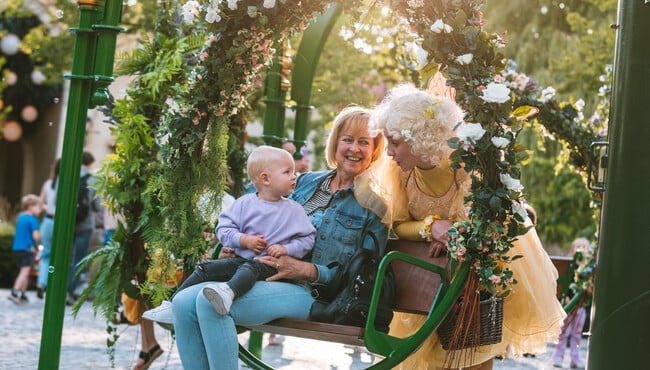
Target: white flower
{"points": [[162, 140], [519, 208], [268, 4], [406, 134], [131, 3], [580, 104], [510, 183], [464, 59], [500, 142], [212, 15], [471, 133], [496, 93], [439, 26], [422, 57], [232, 4], [190, 9], [547, 94]]}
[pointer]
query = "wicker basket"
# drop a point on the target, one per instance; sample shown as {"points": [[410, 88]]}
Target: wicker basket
{"points": [[491, 311]]}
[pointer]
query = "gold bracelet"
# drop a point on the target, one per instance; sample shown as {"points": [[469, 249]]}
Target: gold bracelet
{"points": [[425, 230]]}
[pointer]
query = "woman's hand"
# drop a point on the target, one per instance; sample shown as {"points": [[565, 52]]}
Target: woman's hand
{"points": [[440, 237], [289, 268]]}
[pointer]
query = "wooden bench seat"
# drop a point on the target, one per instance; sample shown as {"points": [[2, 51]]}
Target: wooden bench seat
{"points": [[416, 289]]}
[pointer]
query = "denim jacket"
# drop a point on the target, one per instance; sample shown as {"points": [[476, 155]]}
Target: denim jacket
{"points": [[340, 226]]}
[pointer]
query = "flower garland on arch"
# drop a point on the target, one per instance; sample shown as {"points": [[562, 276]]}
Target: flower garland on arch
{"points": [[455, 43]]}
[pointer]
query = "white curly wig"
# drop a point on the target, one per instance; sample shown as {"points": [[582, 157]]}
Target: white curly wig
{"points": [[425, 121]]}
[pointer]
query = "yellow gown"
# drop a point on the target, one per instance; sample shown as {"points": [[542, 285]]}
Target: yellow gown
{"points": [[532, 314]]}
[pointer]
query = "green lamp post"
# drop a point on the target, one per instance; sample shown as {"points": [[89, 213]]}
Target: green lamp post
{"points": [[621, 311], [90, 75]]}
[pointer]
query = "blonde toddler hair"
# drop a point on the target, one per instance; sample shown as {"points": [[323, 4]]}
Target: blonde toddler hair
{"points": [[425, 121], [263, 158], [29, 200]]}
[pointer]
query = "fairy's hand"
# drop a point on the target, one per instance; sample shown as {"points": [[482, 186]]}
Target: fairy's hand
{"points": [[439, 229], [437, 249]]}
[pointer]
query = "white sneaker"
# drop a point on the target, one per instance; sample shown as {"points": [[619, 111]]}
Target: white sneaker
{"points": [[220, 296], [162, 313]]}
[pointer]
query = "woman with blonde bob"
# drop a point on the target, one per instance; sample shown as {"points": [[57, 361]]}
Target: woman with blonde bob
{"points": [[426, 195], [207, 340]]}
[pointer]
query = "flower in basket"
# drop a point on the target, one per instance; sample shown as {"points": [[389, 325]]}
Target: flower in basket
{"points": [[485, 245]]}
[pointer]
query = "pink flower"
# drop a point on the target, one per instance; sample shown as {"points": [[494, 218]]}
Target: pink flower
{"points": [[495, 279]]}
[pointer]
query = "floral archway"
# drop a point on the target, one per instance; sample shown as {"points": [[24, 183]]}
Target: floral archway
{"points": [[174, 144]]}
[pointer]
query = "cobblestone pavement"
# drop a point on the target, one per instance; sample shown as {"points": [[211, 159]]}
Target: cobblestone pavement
{"points": [[83, 345]]}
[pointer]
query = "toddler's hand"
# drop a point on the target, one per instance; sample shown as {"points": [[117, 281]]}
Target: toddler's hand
{"points": [[277, 250], [256, 243]]}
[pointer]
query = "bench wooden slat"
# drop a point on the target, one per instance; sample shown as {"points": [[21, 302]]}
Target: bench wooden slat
{"points": [[313, 330]]}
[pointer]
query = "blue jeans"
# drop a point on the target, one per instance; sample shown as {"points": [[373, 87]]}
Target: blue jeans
{"points": [[80, 246], [207, 340], [47, 229]]}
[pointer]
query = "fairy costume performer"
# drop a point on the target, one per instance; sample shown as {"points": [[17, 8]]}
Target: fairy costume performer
{"points": [[425, 195]]}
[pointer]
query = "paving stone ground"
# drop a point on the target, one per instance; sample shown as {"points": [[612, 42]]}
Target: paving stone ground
{"points": [[83, 345]]}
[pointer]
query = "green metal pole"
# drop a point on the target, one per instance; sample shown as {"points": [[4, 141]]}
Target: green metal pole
{"points": [[107, 32], [82, 79], [621, 311], [306, 60], [273, 132]]}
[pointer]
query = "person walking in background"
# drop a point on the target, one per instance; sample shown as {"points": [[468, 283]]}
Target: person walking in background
{"points": [[48, 198], [87, 204], [25, 244], [574, 322]]}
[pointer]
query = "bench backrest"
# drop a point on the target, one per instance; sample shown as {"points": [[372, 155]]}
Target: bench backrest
{"points": [[415, 287]]}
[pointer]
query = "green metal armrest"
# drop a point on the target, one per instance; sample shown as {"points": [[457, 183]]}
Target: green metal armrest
{"points": [[397, 349]]}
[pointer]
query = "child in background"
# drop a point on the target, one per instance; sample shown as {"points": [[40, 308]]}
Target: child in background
{"points": [[25, 244], [257, 224], [574, 322]]}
